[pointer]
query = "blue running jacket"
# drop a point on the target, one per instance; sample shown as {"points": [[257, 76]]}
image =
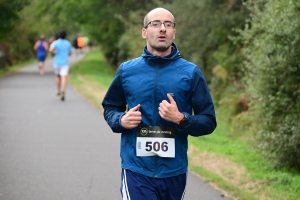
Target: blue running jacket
{"points": [[146, 80]]}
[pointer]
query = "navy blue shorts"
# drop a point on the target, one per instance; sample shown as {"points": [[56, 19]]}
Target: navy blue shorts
{"points": [[41, 58], [135, 186]]}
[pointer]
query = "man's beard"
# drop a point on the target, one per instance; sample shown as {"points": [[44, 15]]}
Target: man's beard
{"points": [[160, 48]]}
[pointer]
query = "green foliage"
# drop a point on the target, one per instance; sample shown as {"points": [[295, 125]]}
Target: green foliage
{"points": [[203, 30], [55, 15], [263, 179], [272, 76], [36, 21], [9, 15], [107, 34], [94, 67], [112, 29], [131, 43]]}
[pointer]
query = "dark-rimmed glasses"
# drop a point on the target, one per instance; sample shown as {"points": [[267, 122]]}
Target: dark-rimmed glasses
{"points": [[157, 24]]}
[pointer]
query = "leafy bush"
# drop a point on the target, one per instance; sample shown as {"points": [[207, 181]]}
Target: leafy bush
{"points": [[272, 50], [203, 30], [131, 43]]}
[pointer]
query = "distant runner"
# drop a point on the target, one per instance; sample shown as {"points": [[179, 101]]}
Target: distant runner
{"points": [[80, 43], [41, 48], [62, 49]]}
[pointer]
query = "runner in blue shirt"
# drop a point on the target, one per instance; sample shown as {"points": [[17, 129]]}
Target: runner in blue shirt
{"points": [[41, 48], [157, 101], [62, 49]]}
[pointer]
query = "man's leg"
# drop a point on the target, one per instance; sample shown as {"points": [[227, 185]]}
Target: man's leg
{"points": [[41, 67], [171, 188], [64, 80], [58, 84], [137, 187], [63, 87], [41, 63]]}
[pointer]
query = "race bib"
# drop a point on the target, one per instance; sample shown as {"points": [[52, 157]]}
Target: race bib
{"points": [[155, 140]]}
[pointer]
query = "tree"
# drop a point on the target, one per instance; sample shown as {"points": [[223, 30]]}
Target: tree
{"points": [[107, 21], [272, 49], [9, 15]]}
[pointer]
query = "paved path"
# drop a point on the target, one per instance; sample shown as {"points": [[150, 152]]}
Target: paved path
{"points": [[54, 150]]}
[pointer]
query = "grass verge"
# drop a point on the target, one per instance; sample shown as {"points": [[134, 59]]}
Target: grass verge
{"points": [[91, 77], [15, 67], [224, 159]]}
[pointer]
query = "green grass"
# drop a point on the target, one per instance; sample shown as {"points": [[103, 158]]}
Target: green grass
{"points": [[15, 67], [209, 176], [278, 184], [94, 67], [275, 184]]}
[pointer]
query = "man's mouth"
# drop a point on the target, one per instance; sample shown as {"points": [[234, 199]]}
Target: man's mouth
{"points": [[162, 38]]}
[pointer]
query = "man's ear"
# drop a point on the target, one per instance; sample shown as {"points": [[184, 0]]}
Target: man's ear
{"points": [[144, 33], [174, 34]]}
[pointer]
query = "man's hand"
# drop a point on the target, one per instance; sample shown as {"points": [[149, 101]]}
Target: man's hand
{"points": [[52, 50], [169, 111], [132, 118]]}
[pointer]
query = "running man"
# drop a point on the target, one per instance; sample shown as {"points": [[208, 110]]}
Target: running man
{"points": [[41, 48], [62, 49], [156, 101]]}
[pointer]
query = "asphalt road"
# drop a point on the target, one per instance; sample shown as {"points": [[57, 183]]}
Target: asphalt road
{"points": [[54, 150]]}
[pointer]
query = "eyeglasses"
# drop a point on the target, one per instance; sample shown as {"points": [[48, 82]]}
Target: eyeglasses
{"points": [[157, 24]]}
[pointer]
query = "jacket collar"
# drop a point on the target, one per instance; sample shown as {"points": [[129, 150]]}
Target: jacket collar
{"points": [[161, 61]]}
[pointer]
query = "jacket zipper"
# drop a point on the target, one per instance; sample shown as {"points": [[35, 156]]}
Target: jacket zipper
{"points": [[155, 114]]}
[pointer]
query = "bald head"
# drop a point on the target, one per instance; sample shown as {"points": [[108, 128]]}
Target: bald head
{"points": [[154, 12]]}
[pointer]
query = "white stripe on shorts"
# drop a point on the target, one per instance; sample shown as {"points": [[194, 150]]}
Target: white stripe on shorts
{"points": [[182, 197], [125, 193]]}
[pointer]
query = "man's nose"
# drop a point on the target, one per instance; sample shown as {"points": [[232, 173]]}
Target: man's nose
{"points": [[162, 26]]}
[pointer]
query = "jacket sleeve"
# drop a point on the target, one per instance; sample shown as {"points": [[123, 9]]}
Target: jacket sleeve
{"points": [[203, 121], [114, 103]]}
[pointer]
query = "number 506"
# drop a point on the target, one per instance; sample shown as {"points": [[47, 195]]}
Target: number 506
{"points": [[156, 146]]}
